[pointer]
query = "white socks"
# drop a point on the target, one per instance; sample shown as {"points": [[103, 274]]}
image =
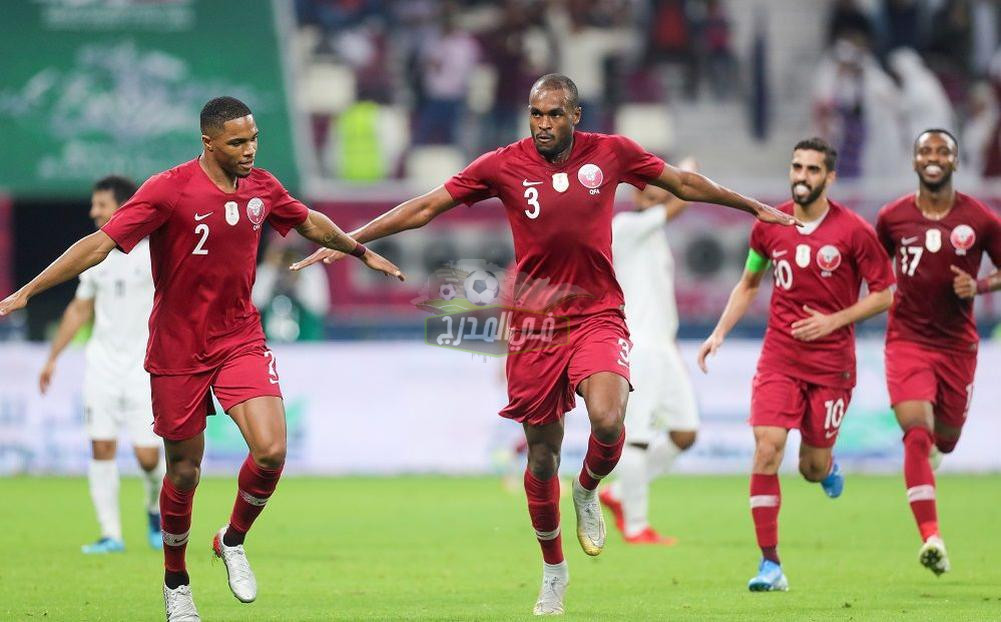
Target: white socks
{"points": [[152, 482], [636, 469], [102, 475], [560, 570]]}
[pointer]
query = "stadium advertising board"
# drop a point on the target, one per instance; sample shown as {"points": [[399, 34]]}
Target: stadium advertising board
{"points": [[90, 88]]}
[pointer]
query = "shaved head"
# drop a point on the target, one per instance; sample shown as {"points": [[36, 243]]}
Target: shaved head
{"points": [[557, 82]]}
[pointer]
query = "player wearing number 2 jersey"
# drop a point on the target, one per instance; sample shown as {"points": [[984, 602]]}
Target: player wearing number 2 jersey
{"points": [[938, 237], [204, 220], [557, 189], [806, 371]]}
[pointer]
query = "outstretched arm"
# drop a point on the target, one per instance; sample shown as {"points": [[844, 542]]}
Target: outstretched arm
{"points": [[85, 253], [740, 299], [411, 214], [691, 186], [78, 312], [320, 229], [818, 325]]}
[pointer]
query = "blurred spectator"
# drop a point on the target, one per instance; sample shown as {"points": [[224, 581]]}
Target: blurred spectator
{"points": [[950, 42], [669, 46], [447, 60], [992, 153], [857, 109], [985, 16], [980, 130], [848, 18], [899, 25], [924, 103], [716, 60], [584, 52], [293, 305]]}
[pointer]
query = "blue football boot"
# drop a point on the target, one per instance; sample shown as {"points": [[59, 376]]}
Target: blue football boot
{"points": [[104, 545], [834, 483], [769, 579], [154, 535]]}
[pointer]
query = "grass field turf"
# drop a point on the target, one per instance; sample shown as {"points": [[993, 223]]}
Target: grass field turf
{"points": [[438, 548]]}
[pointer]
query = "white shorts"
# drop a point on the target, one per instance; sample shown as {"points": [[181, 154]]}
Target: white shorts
{"points": [[663, 399], [109, 406]]}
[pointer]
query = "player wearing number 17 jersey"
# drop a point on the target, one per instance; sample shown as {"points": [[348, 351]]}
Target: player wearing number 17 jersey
{"points": [[938, 237], [204, 220], [806, 371], [557, 189]]}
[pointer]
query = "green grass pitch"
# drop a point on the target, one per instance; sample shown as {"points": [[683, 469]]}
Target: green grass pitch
{"points": [[438, 548]]}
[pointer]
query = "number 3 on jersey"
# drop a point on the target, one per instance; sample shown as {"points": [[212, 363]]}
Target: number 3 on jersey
{"points": [[532, 196]]}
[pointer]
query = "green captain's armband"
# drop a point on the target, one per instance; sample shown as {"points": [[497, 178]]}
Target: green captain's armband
{"points": [[755, 262]]}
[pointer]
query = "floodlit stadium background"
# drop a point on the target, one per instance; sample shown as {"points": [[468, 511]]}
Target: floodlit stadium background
{"points": [[355, 117]]}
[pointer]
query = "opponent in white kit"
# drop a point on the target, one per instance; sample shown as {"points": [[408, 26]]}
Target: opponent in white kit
{"points": [[118, 294], [661, 418]]}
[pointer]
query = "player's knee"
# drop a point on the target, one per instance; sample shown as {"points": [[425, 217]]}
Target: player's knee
{"points": [[813, 470], [184, 474], [543, 463], [606, 423], [946, 444], [766, 457], [271, 456], [683, 440]]}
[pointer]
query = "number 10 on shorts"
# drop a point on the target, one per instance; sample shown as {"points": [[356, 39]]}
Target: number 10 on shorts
{"points": [[835, 414]]}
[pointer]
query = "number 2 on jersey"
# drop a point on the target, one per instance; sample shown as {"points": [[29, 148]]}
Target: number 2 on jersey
{"points": [[202, 230], [532, 196]]}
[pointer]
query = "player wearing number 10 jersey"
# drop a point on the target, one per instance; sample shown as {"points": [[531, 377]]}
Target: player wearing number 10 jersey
{"points": [[557, 189], [806, 371], [938, 237], [204, 220]]}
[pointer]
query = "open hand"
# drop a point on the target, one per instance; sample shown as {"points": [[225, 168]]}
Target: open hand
{"points": [[963, 283], [708, 347], [815, 326], [12, 303], [45, 378], [767, 213], [377, 262], [326, 255]]}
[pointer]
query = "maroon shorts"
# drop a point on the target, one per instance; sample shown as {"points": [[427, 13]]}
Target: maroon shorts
{"points": [[541, 384], [940, 376], [181, 403], [786, 402]]}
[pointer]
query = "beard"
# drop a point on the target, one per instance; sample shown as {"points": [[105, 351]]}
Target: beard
{"points": [[935, 186], [555, 147], [810, 197]]}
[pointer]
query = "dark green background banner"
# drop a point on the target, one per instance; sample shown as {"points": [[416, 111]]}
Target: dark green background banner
{"points": [[91, 88]]}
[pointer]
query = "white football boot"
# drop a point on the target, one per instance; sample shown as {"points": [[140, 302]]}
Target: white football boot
{"points": [[180, 605], [241, 578], [590, 522], [933, 556], [555, 579]]}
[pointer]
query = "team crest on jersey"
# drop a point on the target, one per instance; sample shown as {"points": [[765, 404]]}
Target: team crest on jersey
{"points": [[255, 212], [560, 182], [962, 238], [232, 213], [590, 176], [933, 240], [802, 255], [828, 259]]}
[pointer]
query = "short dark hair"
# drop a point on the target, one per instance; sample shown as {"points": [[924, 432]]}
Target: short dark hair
{"points": [[217, 111], [122, 188], [559, 81], [936, 130], [819, 144]]}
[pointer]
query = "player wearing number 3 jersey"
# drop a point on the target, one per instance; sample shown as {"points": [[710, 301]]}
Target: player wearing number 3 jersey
{"points": [[557, 189], [204, 220], [938, 238], [806, 371]]}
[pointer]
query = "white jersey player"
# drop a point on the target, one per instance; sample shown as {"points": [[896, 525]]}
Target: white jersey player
{"points": [[118, 295], [661, 418]]}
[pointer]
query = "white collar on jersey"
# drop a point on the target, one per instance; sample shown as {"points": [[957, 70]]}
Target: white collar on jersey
{"points": [[811, 226]]}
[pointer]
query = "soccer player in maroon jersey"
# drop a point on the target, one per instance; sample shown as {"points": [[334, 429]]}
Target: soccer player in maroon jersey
{"points": [[204, 220], [557, 188], [938, 237], [806, 370]]}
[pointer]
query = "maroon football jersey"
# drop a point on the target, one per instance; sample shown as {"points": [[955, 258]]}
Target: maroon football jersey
{"points": [[203, 249], [925, 308], [823, 270], [561, 217]]}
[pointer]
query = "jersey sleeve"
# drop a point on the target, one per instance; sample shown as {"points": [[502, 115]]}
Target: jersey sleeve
{"points": [[87, 289], [883, 233], [144, 213], [872, 259], [758, 241], [476, 182], [639, 166], [993, 242], [287, 212]]}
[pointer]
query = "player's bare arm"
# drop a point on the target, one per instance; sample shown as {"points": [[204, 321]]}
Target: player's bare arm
{"points": [[967, 287], [84, 253], [817, 324], [78, 312], [411, 214], [736, 306], [692, 186], [320, 229]]}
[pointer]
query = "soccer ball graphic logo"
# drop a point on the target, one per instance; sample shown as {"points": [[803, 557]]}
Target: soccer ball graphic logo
{"points": [[447, 291], [482, 287]]}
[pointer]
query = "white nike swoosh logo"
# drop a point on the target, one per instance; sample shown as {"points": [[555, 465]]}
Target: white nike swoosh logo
{"points": [[527, 183], [906, 241], [830, 434], [202, 216], [777, 254]]}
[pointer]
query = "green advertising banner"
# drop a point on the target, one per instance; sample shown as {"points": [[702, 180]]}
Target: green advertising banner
{"points": [[92, 87]]}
